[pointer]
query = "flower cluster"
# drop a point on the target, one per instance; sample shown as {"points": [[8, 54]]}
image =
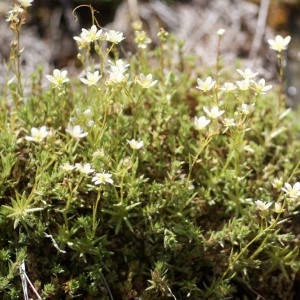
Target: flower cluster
{"points": [[17, 15], [94, 34], [25, 3], [117, 73], [86, 169]]}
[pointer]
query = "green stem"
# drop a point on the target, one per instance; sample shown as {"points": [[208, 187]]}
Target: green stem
{"points": [[95, 208], [206, 142]]}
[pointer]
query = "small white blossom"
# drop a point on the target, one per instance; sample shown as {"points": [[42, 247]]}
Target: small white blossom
{"points": [[244, 84], [262, 206], [84, 169], [114, 36], [229, 122], [277, 183], [145, 81], [292, 192], [76, 131], [98, 153], [127, 162], [221, 31], [91, 35], [25, 3], [37, 134], [135, 144], [201, 122], [278, 208], [14, 14], [116, 77], [83, 118], [116, 73], [81, 42], [141, 39], [228, 87], [261, 87], [87, 112], [214, 113], [67, 167], [58, 77], [247, 109], [91, 78], [102, 178], [119, 66], [280, 43], [247, 73], [205, 85]]}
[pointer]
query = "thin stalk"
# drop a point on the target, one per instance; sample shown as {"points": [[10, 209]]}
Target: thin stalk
{"points": [[95, 208], [206, 142]]}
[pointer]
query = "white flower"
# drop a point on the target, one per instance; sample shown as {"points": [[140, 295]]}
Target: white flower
{"points": [[277, 183], [116, 77], [214, 113], [81, 42], [83, 118], [229, 122], [13, 16], [98, 153], [118, 66], [91, 35], [116, 73], [205, 85], [76, 131], [221, 31], [280, 43], [246, 109], [146, 82], [262, 206], [247, 73], [37, 134], [228, 87], [58, 77], [102, 178], [142, 39], [84, 169], [25, 3], [91, 78], [201, 122], [261, 87], [135, 144], [244, 84], [292, 192], [114, 36], [67, 167], [278, 208], [87, 112]]}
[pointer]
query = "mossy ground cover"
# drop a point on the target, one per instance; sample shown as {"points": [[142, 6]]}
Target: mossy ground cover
{"points": [[147, 177]]}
